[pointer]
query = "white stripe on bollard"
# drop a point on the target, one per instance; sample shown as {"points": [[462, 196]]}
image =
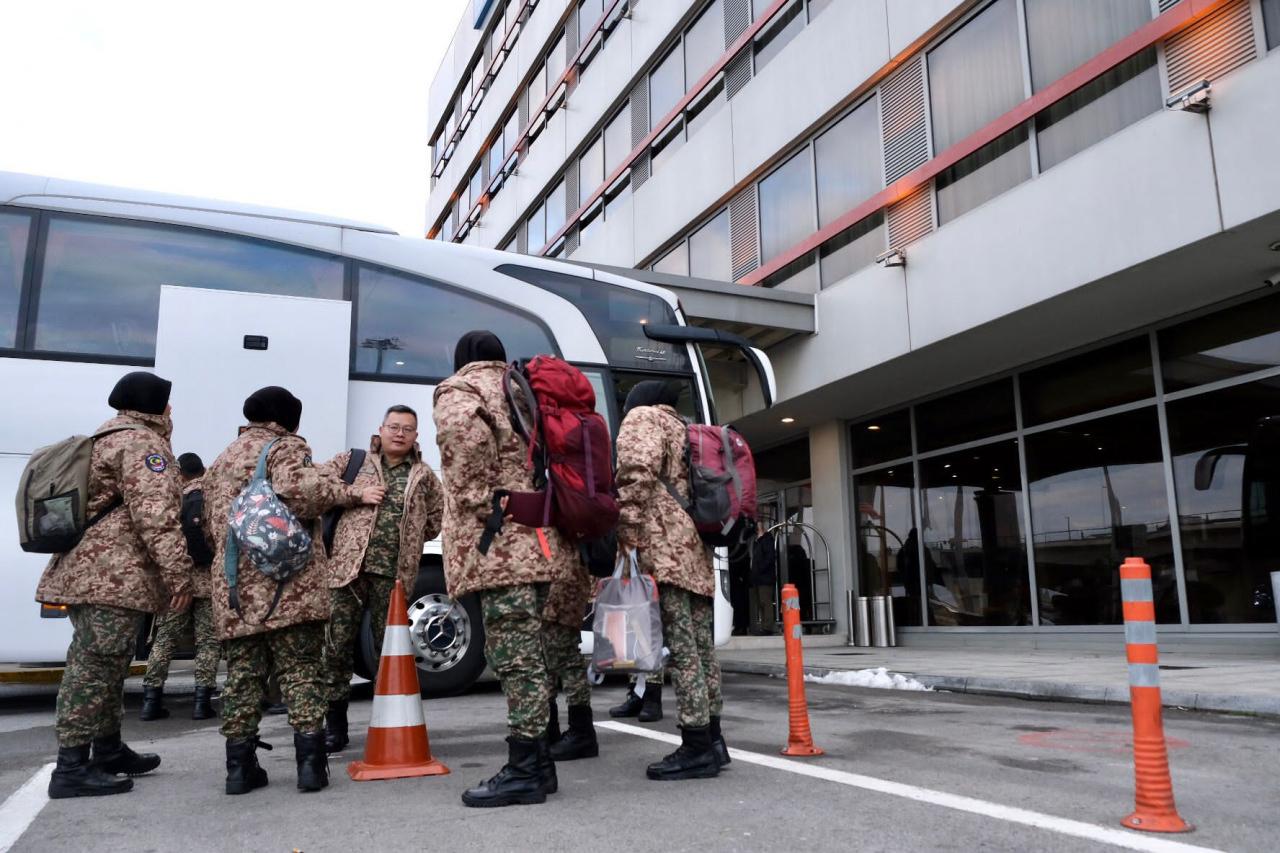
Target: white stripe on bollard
{"points": [[1143, 633], [1135, 589], [396, 712]]}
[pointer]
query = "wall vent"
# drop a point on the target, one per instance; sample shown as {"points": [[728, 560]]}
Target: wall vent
{"points": [[639, 111], [737, 17], [571, 242], [1166, 5], [571, 189], [641, 170], [737, 72], [903, 121], [744, 230], [1221, 42], [522, 239], [911, 218], [524, 108]]}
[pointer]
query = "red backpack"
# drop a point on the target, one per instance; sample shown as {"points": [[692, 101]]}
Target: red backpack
{"points": [[722, 485], [553, 407]]}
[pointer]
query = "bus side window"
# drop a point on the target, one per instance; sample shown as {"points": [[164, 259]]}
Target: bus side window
{"points": [[14, 231]]}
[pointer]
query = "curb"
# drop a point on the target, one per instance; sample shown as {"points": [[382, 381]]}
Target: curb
{"points": [[1056, 691], [49, 674]]}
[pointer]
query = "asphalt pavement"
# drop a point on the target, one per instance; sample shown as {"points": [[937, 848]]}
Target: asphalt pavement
{"points": [[902, 770]]}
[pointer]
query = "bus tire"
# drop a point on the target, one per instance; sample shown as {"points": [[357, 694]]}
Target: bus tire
{"points": [[447, 636]]}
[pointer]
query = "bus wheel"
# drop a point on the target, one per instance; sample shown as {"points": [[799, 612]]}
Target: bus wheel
{"points": [[447, 636]]}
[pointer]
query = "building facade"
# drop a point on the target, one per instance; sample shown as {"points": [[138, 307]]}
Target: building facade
{"points": [[1040, 238]]}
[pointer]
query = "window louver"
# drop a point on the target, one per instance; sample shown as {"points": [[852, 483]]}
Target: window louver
{"points": [[1210, 48], [744, 244], [903, 122]]}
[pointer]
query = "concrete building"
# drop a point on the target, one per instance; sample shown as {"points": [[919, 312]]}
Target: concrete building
{"points": [[1013, 261]]}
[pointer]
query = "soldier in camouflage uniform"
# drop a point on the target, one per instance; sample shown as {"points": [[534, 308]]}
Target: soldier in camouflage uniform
{"points": [[479, 454], [562, 632], [643, 703], [132, 561], [291, 639], [651, 457], [372, 547], [170, 627]]}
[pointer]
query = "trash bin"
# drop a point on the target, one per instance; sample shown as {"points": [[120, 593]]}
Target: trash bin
{"points": [[859, 620], [882, 628]]}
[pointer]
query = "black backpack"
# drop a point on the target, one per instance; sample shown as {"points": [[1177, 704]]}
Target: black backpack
{"points": [[330, 523], [192, 518]]}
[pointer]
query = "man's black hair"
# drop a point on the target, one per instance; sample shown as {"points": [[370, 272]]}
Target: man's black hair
{"points": [[400, 409]]}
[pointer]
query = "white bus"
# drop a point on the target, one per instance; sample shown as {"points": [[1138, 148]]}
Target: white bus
{"points": [[221, 298]]}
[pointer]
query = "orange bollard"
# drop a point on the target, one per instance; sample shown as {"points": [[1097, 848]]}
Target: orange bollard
{"points": [[799, 738], [397, 745], [1154, 811]]}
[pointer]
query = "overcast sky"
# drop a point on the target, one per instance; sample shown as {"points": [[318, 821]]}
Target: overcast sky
{"points": [[318, 105]]}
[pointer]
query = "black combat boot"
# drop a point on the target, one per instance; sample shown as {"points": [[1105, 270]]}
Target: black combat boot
{"points": [[111, 755], [630, 706], [519, 782], [153, 705], [203, 709], [693, 759], [547, 767], [335, 727], [718, 746], [553, 723], [651, 710], [243, 772], [313, 761], [580, 739], [76, 777]]}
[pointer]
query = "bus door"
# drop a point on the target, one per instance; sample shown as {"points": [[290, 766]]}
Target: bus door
{"points": [[218, 347]]}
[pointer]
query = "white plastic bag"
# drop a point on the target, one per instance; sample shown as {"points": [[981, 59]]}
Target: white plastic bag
{"points": [[627, 623]]}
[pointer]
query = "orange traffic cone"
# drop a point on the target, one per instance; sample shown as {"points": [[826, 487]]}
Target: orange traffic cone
{"points": [[397, 745], [799, 739], [1154, 811]]}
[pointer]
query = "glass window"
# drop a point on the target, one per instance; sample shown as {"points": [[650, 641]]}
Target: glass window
{"points": [[686, 403], [704, 42], [557, 58], [537, 229], [537, 90], [849, 167], [675, 262], [476, 188], [852, 249], [100, 290], [1097, 497], [666, 86], [1271, 18], [881, 439], [696, 117], [589, 11], [511, 132], [786, 206], [617, 139], [1063, 36], [709, 255], [967, 416], [446, 227], [817, 7], [975, 76], [1224, 459], [1120, 373], [662, 152], [588, 227], [800, 275], [14, 228], [778, 33], [1098, 109], [555, 210], [1229, 343], [984, 174], [888, 541], [619, 196], [590, 170], [617, 315], [408, 326], [496, 156], [975, 556]]}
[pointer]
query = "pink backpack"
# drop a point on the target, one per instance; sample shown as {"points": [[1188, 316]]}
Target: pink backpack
{"points": [[722, 485]]}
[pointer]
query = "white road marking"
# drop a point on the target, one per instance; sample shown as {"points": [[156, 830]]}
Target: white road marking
{"points": [[1011, 814], [23, 806], [19, 722]]}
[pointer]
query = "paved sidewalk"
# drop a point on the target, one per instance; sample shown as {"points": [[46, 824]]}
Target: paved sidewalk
{"points": [[1210, 681]]}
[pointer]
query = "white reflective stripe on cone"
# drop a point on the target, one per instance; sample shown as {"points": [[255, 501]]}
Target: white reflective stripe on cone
{"points": [[396, 641], [396, 712]]}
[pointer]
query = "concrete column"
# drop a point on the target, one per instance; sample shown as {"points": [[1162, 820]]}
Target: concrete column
{"points": [[833, 508]]}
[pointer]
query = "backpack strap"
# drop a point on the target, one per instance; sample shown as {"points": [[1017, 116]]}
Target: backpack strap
{"points": [[493, 524], [330, 526], [118, 501], [726, 448]]}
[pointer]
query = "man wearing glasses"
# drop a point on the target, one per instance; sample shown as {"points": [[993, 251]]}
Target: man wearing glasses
{"points": [[374, 545]]}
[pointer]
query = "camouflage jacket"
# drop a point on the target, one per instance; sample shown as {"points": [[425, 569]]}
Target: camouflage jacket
{"points": [[480, 453], [651, 454], [418, 523], [202, 585], [136, 556], [567, 599], [308, 491]]}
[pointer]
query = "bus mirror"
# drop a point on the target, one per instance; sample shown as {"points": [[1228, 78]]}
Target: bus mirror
{"points": [[672, 334], [1207, 464]]}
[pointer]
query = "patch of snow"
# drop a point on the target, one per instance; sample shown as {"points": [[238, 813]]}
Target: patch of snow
{"points": [[879, 678]]}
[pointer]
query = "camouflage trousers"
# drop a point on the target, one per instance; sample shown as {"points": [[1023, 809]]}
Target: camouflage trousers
{"points": [[91, 697], [169, 629], [295, 654], [348, 604], [515, 647], [689, 634], [565, 664]]}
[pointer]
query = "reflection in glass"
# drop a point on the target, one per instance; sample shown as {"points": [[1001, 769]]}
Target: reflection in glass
{"points": [[591, 171], [709, 255], [778, 33], [966, 416], [666, 86], [100, 291], [1105, 377], [849, 169], [887, 540], [991, 170], [852, 249], [617, 139], [675, 262], [1097, 497], [13, 260], [786, 206], [975, 554], [1232, 342], [1098, 109], [1215, 441], [975, 76], [881, 439], [407, 326], [704, 42], [686, 405]]}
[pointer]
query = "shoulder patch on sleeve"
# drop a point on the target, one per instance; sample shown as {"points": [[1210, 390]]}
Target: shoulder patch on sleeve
{"points": [[306, 461], [156, 462]]}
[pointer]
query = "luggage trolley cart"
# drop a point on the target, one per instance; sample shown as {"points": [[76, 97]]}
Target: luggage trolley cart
{"points": [[820, 618]]}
